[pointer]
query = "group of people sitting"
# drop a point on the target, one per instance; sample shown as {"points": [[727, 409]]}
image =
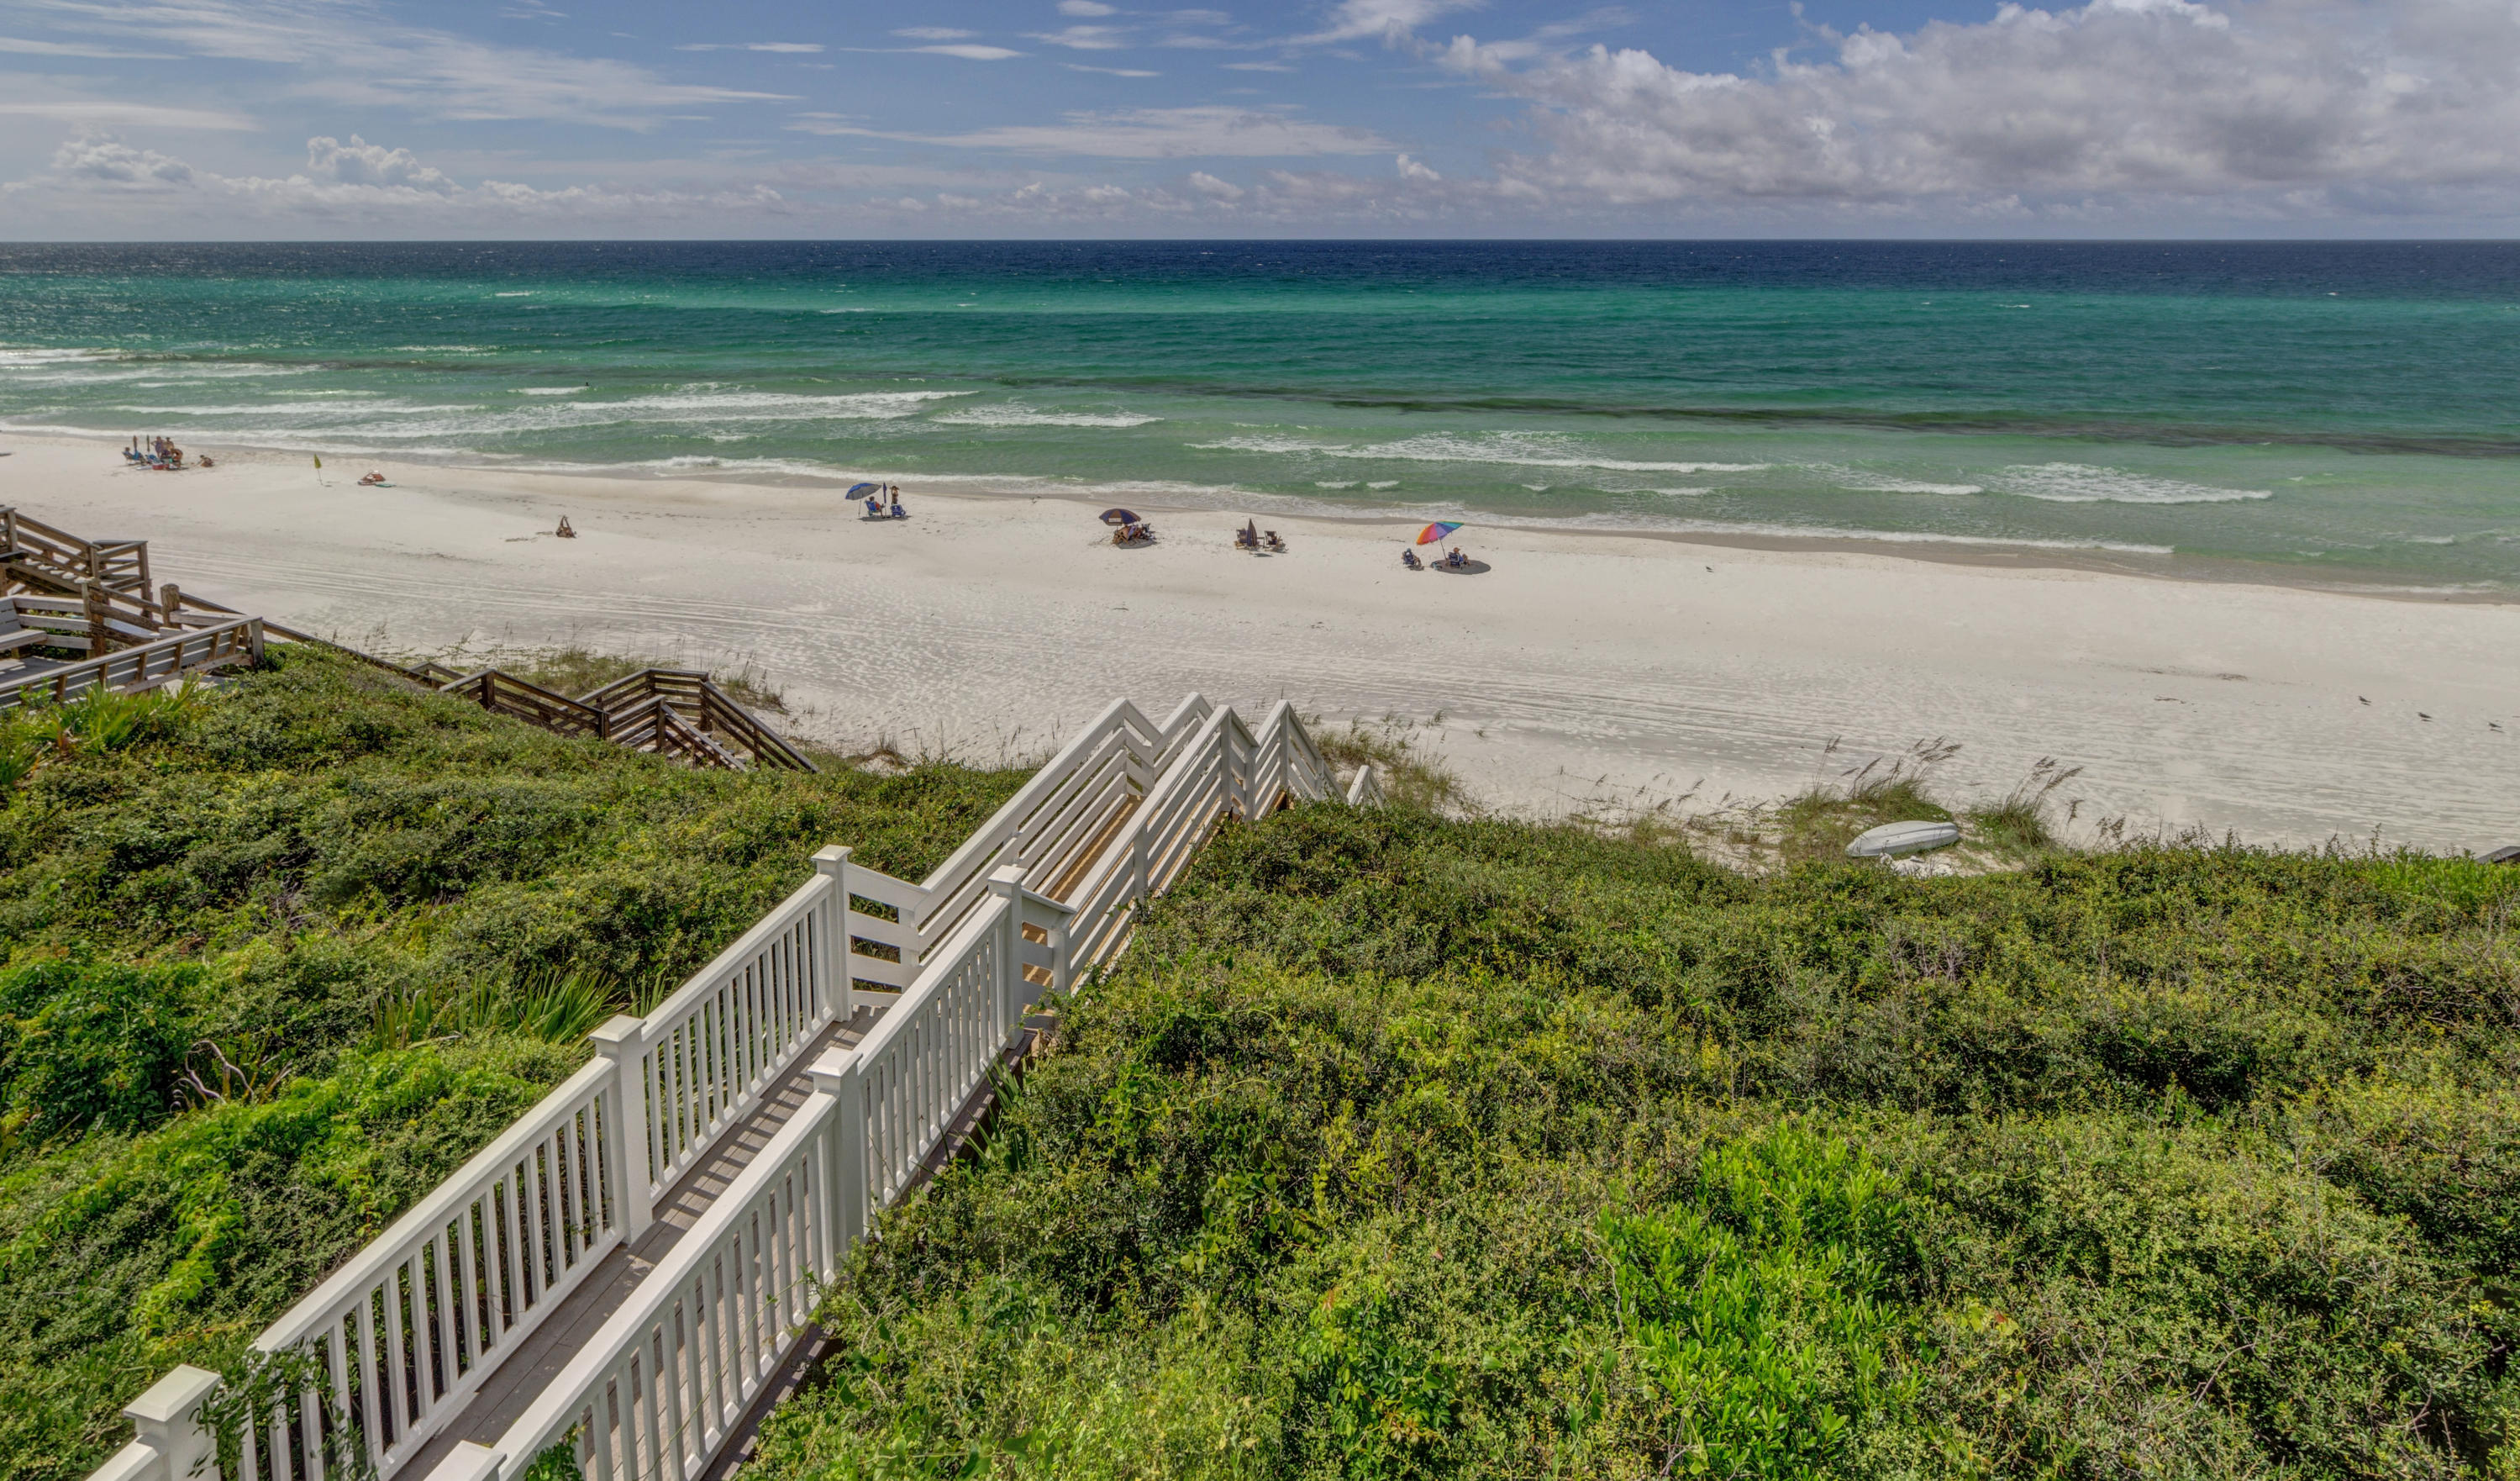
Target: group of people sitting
{"points": [[373, 481], [1452, 560], [156, 452], [1249, 539], [877, 507], [1131, 534]]}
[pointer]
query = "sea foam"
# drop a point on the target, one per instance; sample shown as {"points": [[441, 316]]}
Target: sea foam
{"points": [[1016, 414], [2084, 484]]}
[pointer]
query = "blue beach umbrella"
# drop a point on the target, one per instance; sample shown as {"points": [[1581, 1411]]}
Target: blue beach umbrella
{"points": [[860, 488]]}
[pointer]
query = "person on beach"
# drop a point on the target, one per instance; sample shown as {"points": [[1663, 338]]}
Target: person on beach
{"points": [[1408, 558], [896, 511]]}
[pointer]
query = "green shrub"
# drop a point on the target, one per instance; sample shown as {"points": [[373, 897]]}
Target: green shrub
{"points": [[356, 928], [1402, 1147], [90, 1043]]}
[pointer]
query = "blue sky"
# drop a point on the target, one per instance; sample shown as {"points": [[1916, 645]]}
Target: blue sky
{"points": [[173, 118]]}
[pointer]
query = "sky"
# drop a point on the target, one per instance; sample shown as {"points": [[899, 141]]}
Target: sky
{"points": [[333, 119]]}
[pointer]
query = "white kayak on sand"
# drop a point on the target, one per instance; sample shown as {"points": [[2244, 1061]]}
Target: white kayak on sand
{"points": [[1891, 840]]}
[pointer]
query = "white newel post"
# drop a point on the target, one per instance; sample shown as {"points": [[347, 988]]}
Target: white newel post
{"points": [[844, 1173], [840, 985], [622, 1039], [165, 1419], [470, 1461], [1007, 884]]}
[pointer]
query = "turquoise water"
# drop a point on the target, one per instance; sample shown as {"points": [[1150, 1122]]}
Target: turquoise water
{"points": [[2306, 408]]}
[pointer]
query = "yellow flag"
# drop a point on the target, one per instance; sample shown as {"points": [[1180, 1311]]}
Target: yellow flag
{"points": [[319, 462]]}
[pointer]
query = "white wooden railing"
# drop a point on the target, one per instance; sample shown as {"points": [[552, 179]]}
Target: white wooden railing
{"points": [[395, 1344]]}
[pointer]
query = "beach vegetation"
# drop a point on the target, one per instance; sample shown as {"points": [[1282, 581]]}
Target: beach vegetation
{"points": [[276, 956], [1407, 1147], [1410, 773]]}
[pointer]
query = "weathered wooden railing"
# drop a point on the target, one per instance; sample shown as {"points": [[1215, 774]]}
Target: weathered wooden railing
{"points": [[505, 694], [143, 667], [118, 564], [394, 1343], [93, 597]]}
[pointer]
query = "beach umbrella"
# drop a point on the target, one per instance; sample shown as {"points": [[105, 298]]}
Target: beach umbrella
{"points": [[1118, 517], [1437, 532], [858, 488]]}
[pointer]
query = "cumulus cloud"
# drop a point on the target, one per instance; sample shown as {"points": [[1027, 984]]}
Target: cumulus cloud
{"points": [[359, 181], [2114, 98], [111, 165], [359, 162], [1215, 189]]}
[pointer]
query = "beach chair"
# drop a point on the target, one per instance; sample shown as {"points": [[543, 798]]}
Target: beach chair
{"points": [[1408, 558], [1268, 540], [897, 513]]}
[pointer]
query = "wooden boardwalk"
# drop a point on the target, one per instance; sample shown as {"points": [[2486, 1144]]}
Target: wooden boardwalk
{"points": [[524, 1374], [779, 1133]]}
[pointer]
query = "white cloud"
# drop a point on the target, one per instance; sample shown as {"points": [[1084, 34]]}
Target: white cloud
{"points": [[354, 52], [1388, 20], [1209, 185], [76, 49], [90, 113], [1086, 8], [1110, 72], [360, 182], [934, 33], [1257, 66], [967, 51], [1410, 169], [804, 47], [2117, 98], [359, 162], [1158, 133], [103, 162], [1087, 38]]}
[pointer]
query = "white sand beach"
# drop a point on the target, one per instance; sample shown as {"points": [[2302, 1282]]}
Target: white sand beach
{"points": [[1581, 666]]}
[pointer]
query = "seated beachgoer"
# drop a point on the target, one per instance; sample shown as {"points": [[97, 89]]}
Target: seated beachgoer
{"points": [[875, 506], [896, 511], [206, 461], [1408, 558]]}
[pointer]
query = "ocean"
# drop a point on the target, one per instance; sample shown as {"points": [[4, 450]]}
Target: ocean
{"points": [[2343, 413]]}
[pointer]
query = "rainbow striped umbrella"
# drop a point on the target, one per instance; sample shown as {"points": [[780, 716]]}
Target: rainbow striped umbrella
{"points": [[1439, 530]]}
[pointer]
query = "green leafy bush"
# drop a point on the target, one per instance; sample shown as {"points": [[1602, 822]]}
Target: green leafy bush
{"points": [[1404, 1148], [281, 958], [90, 1043]]}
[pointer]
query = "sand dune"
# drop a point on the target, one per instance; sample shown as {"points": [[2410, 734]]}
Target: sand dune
{"points": [[1582, 664]]}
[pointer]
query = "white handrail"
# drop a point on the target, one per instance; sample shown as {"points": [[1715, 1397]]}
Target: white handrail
{"points": [[408, 1329]]}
